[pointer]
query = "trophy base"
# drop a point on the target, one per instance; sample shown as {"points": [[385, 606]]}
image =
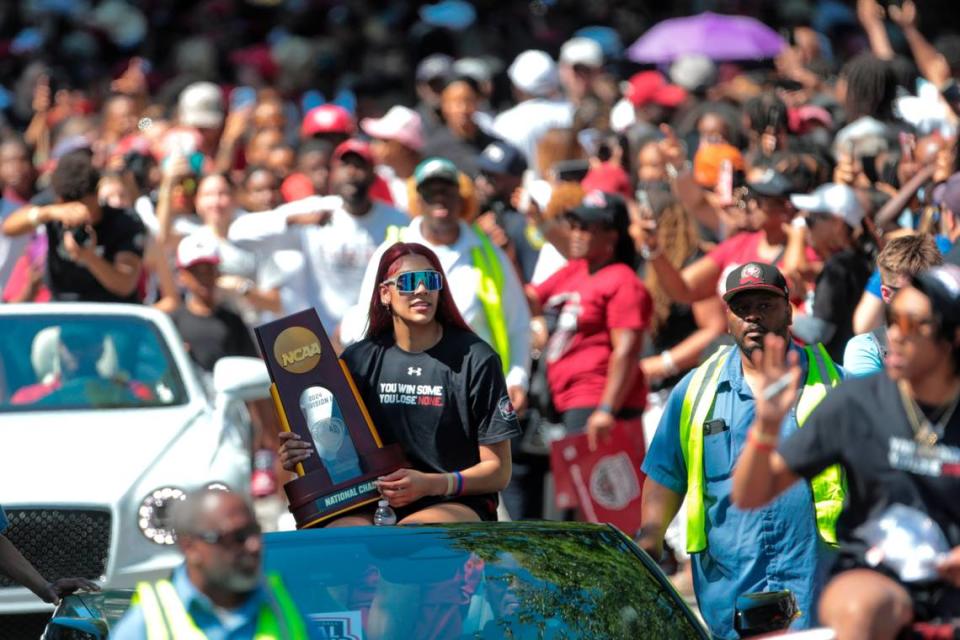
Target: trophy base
{"points": [[314, 502]]}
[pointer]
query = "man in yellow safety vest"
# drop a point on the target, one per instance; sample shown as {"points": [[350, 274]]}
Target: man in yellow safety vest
{"points": [[787, 545], [219, 591]]}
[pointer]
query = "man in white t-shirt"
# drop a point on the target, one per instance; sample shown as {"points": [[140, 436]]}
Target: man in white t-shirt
{"points": [[338, 235], [458, 246], [536, 86]]}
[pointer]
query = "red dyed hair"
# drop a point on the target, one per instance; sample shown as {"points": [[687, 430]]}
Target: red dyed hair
{"points": [[381, 319]]}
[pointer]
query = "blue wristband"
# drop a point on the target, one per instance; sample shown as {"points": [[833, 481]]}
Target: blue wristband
{"points": [[459, 483]]}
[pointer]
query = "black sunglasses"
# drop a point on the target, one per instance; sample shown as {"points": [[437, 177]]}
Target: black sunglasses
{"points": [[229, 539]]}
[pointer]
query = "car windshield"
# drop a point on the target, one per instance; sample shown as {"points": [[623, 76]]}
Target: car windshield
{"points": [[476, 581], [60, 362]]}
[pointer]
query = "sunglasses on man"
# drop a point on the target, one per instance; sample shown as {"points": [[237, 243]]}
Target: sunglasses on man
{"points": [[907, 324], [229, 539], [410, 281]]}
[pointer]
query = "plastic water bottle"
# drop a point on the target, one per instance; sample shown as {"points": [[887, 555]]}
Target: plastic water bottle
{"points": [[384, 516]]}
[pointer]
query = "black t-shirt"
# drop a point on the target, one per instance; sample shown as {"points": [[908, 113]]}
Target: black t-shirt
{"points": [[839, 287], [209, 338], [119, 230], [439, 405], [863, 425]]}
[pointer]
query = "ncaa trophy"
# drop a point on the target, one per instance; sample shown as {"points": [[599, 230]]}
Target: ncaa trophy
{"points": [[316, 398]]}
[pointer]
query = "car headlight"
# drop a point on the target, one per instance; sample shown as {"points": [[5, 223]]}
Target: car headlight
{"points": [[154, 515]]}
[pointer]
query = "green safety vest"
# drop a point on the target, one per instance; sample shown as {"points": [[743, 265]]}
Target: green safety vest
{"points": [[828, 487], [166, 618], [489, 289]]}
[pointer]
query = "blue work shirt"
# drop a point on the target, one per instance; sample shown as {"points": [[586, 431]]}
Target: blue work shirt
{"points": [[769, 549], [216, 623]]}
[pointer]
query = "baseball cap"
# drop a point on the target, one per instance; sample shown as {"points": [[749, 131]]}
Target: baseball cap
{"points": [[438, 65], [601, 207], [942, 285], [436, 169], [197, 248], [327, 118], [771, 184], [400, 124], [708, 160], [950, 195], [839, 200], [201, 106], [580, 50], [502, 158], [609, 178], [354, 146], [755, 276], [650, 87], [475, 68], [534, 72]]}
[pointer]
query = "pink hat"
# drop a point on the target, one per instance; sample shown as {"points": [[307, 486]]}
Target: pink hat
{"points": [[400, 124]]}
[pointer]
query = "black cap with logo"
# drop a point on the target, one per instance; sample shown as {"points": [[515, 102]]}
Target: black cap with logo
{"points": [[755, 276]]}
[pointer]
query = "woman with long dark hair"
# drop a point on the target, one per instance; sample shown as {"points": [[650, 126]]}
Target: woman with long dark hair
{"points": [[435, 388]]}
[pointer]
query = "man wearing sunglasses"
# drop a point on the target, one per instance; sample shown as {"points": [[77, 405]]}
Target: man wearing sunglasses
{"points": [[219, 591], [483, 281], [897, 435]]}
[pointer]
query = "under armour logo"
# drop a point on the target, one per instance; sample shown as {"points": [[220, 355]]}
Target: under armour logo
{"points": [[414, 371]]}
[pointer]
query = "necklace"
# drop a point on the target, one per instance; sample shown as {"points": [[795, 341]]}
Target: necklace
{"points": [[925, 432]]}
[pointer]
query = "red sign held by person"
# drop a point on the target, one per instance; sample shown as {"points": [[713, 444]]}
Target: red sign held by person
{"points": [[604, 484]]}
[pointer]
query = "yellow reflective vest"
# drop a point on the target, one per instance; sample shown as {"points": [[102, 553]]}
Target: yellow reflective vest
{"points": [[166, 618], [489, 289], [828, 487]]}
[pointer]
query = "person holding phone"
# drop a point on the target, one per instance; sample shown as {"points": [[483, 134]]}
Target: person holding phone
{"points": [[703, 431], [456, 428]]}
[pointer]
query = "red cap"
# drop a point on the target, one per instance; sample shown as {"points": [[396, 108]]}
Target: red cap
{"points": [[650, 87], [296, 186], [608, 178], [353, 145], [327, 118]]}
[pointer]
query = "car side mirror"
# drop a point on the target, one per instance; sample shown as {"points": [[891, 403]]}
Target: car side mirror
{"points": [[242, 378]]}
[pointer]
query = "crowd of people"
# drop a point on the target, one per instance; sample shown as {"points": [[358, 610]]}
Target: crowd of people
{"points": [[703, 255]]}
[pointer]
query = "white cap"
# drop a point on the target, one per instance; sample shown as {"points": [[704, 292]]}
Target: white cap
{"points": [[534, 72], [201, 106], [839, 200], [197, 248], [585, 51]]}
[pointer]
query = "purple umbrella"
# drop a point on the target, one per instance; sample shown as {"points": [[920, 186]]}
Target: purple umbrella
{"points": [[719, 37]]}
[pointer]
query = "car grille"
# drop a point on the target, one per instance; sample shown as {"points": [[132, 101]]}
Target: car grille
{"points": [[61, 543]]}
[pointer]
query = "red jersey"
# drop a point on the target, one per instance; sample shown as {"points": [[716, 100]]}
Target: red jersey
{"points": [[579, 350]]}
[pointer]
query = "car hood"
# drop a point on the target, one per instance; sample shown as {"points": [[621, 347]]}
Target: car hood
{"points": [[85, 456]]}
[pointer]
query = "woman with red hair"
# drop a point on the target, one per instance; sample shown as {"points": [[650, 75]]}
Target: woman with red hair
{"points": [[435, 388]]}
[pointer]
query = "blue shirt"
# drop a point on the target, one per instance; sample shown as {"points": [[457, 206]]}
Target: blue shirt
{"points": [[862, 357], [769, 549], [4, 523], [215, 623]]}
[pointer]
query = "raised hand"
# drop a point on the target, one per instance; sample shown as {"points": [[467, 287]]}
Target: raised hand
{"points": [[904, 16], [778, 380]]}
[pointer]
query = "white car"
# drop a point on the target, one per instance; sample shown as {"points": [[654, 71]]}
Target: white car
{"points": [[104, 421]]}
